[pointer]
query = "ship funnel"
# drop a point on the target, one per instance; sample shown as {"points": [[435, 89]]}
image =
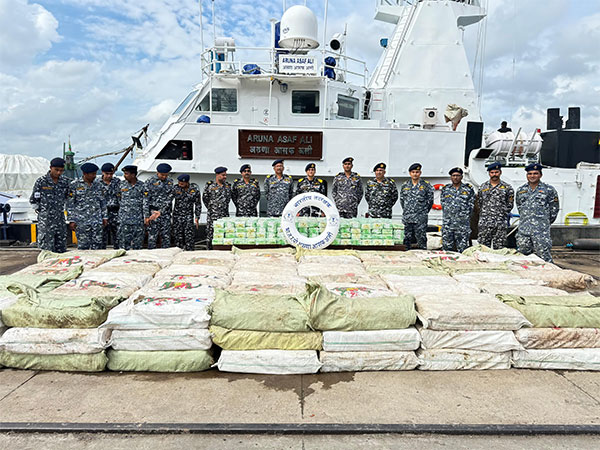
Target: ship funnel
{"points": [[299, 29]]}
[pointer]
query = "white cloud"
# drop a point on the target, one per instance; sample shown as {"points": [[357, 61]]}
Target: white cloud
{"points": [[160, 112], [25, 31]]}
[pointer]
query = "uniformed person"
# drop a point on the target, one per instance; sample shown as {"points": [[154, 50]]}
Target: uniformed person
{"points": [[110, 188], [245, 193], [187, 206], [538, 207], [279, 189], [86, 209], [347, 190], [216, 197], [48, 198], [310, 184], [416, 199], [381, 194], [458, 201], [158, 199], [495, 200], [131, 210]]}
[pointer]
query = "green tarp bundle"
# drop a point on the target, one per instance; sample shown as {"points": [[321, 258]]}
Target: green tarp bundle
{"points": [[108, 254], [41, 282], [159, 361], [330, 312], [262, 340], [482, 248], [452, 267], [564, 311], [238, 311], [88, 362]]}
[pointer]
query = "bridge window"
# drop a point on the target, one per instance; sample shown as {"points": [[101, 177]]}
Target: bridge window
{"points": [[223, 100], [305, 102], [181, 150], [184, 103], [347, 107]]}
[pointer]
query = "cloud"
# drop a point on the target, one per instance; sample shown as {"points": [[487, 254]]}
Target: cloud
{"points": [[25, 31]]}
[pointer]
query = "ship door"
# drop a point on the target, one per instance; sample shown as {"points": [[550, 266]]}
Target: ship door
{"points": [[260, 111]]}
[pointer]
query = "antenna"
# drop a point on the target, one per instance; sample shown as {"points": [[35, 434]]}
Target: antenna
{"points": [[214, 25], [201, 42]]}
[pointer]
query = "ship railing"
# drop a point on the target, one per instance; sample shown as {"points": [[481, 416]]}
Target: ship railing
{"points": [[219, 60], [384, 3]]}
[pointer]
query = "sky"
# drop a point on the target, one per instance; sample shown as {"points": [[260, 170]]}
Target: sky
{"points": [[99, 70]]}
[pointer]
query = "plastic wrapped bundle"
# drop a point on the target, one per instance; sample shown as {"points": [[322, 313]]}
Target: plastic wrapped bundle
{"points": [[457, 359], [173, 285], [487, 340], [159, 361], [276, 362], [196, 270], [358, 290], [557, 359], [371, 341], [88, 259], [161, 339], [550, 338], [205, 258], [95, 283], [371, 360], [263, 340], [130, 265], [426, 285], [314, 269]]}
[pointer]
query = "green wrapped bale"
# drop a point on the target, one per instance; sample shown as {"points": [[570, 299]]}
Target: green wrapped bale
{"points": [[264, 340], [330, 312], [159, 361], [86, 362]]}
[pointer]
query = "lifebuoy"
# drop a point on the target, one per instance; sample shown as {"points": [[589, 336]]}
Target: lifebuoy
{"points": [[288, 224], [437, 187]]}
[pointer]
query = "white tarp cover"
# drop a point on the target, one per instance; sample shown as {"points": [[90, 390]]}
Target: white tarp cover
{"points": [[558, 359], [103, 284], [372, 340], [489, 341], [453, 359], [276, 362], [547, 338], [19, 172], [521, 289], [52, 341], [161, 340], [361, 361], [472, 312]]}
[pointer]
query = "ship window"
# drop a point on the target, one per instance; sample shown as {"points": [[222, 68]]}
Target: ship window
{"points": [[181, 150], [184, 103], [305, 102], [223, 100], [347, 107]]}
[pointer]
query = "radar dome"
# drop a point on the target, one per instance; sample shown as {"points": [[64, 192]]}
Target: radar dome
{"points": [[299, 29]]}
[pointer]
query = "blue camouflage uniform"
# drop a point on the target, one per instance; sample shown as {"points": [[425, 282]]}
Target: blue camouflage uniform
{"points": [[216, 198], [495, 204], [416, 201], [48, 199], [187, 205], [457, 206], [538, 209], [305, 185], [245, 197], [131, 215], [86, 206], [381, 196], [347, 192], [278, 193], [159, 197], [111, 192]]}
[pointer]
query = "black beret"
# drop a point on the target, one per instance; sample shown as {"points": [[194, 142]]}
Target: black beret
{"points": [[108, 167], [379, 166], [163, 168], [533, 166], [89, 168], [244, 167], [57, 162], [348, 159], [277, 161], [183, 177], [310, 166], [455, 170], [494, 166], [130, 169], [415, 166], [220, 169]]}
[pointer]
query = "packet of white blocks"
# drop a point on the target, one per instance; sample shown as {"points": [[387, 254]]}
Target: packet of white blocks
{"points": [[174, 285], [276, 362], [161, 340], [490, 341], [558, 359], [473, 312], [455, 359], [53, 341], [548, 338], [428, 284], [95, 283], [371, 360], [148, 310], [376, 340]]}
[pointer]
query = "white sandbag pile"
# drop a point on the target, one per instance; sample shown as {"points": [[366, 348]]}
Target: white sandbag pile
{"points": [[467, 332]]}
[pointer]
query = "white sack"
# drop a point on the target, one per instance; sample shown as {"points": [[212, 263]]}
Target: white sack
{"points": [[489, 341], [558, 359], [474, 312], [103, 284], [493, 277], [195, 270], [53, 341], [174, 285], [361, 361], [450, 359], [130, 265], [330, 260], [161, 340], [429, 284], [521, 289], [376, 340], [277, 362], [314, 269], [358, 290], [205, 257], [546, 338]]}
